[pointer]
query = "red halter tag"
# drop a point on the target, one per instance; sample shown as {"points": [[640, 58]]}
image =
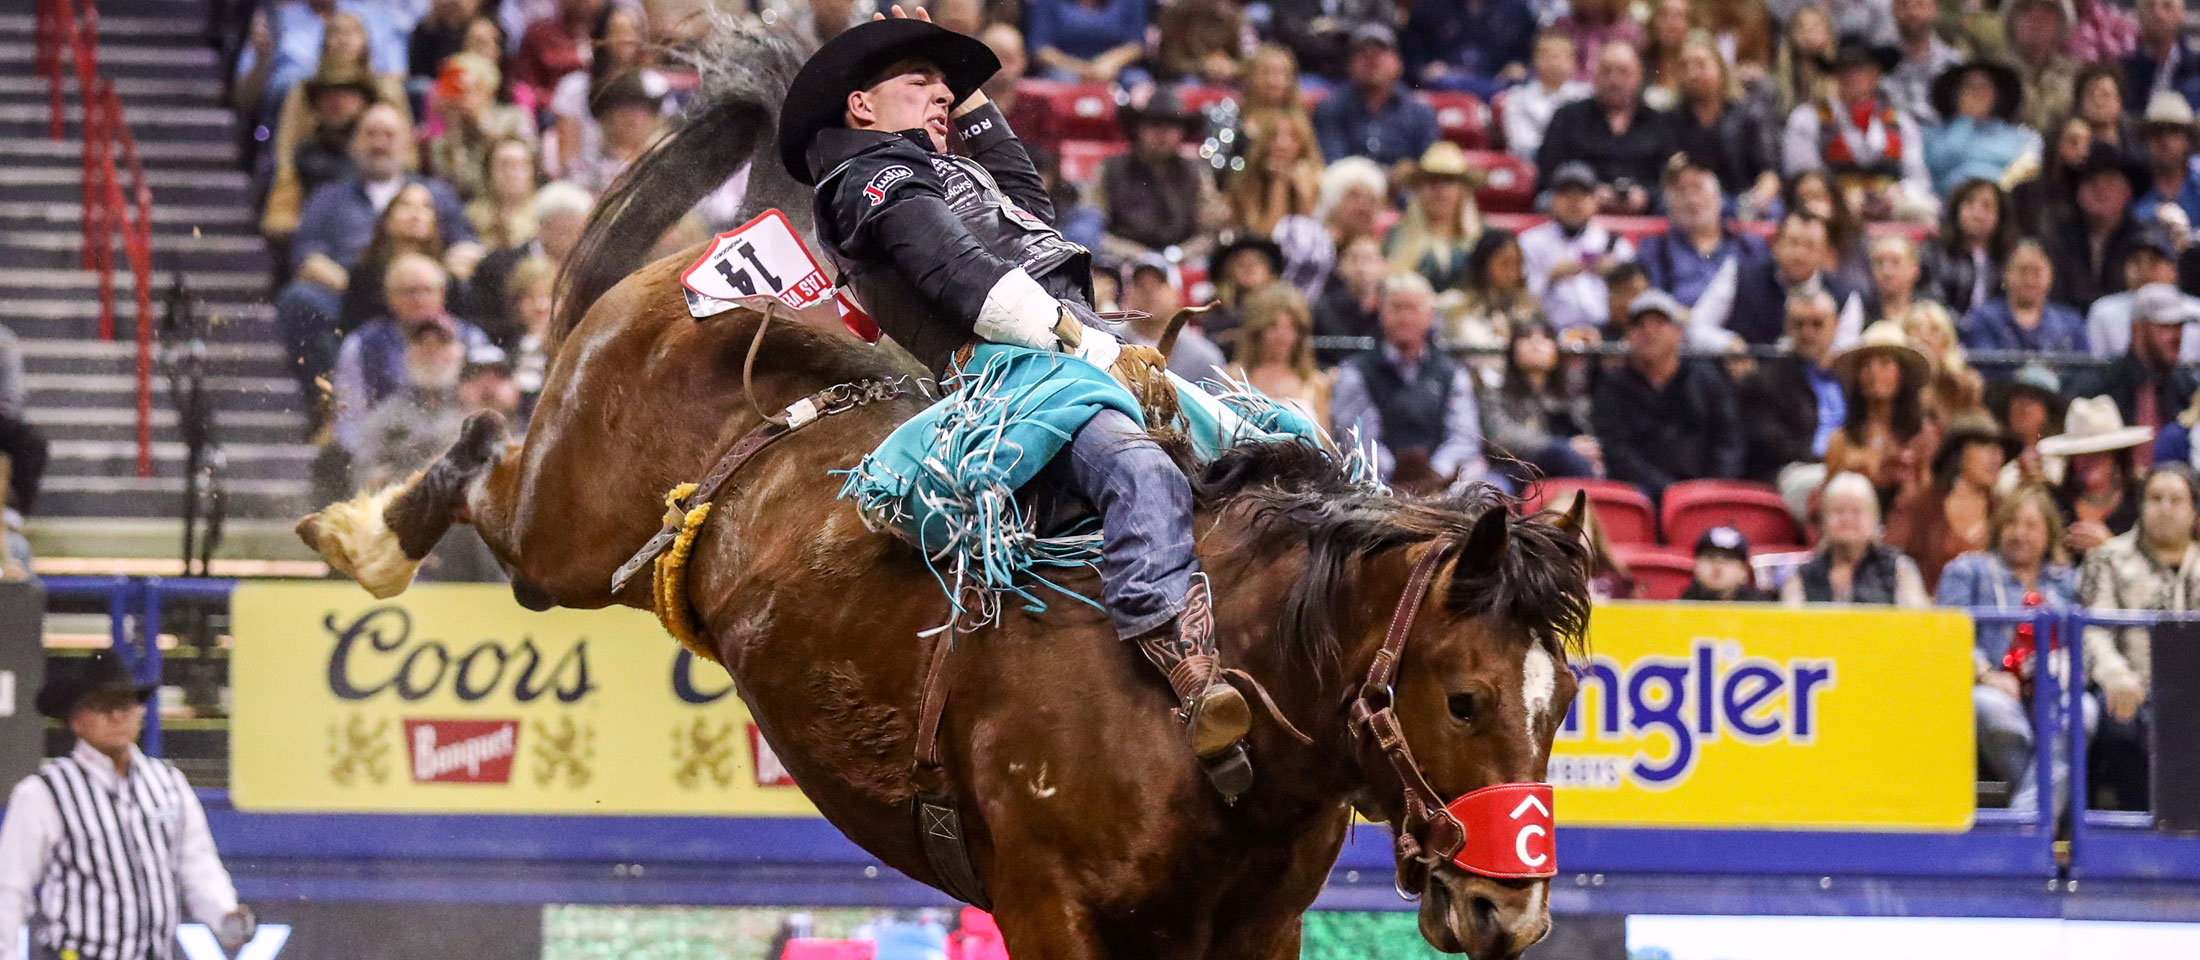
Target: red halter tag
{"points": [[1508, 831]]}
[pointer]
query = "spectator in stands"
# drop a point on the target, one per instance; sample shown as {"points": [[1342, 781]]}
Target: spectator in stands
{"points": [[528, 298], [503, 213], [1935, 522], [1895, 276], [2100, 101], [630, 112], [1885, 436], [1275, 353], [1032, 119], [313, 141], [966, 17], [1609, 577], [1355, 199], [1153, 287], [1202, 41], [1803, 66], [1242, 265], [1527, 109], [1566, 256], [1087, 41], [1658, 418], [285, 45], [616, 37], [559, 212], [1596, 25], [2152, 259], [1410, 399], [1963, 265], [23, 447], [1925, 57], [1282, 175], [1537, 418], [2155, 566], [1847, 255], [440, 33], [335, 225], [1375, 116], [1496, 294], [1619, 138], [1858, 135], [1745, 27], [2020, 569], [1155, 197], [1716, 130], [2024, 318], [2148, 383], [1441, 221], [2029, 405], [1479, 46], [812, 22], [1723, 572], [2101, 32], [1978, 136], [1319, 32], [1951, 386], [2098, 495], [1800, 253], [555, 46], [407, 225], [465, 100], [2162, 61], [419, 419], [1270, 93], [2168, 133], [370, 366], [1851, 565], [1623, 282], [1666, 29], [2036, 30], [1697, 251], [1796, 404], [1352, 297]]}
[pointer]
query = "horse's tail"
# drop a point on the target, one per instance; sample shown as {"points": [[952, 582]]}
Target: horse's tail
{"points": [[734, 117]]}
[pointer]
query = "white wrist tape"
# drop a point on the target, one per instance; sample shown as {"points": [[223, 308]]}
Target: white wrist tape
{"points": [[1100, 348], [1019, 311]]}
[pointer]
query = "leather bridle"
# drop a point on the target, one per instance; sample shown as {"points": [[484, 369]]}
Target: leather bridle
{"points": [[1428, 831]]}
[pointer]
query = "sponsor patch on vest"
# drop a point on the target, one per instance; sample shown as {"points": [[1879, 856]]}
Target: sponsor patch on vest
{"points": [[876, 189]]}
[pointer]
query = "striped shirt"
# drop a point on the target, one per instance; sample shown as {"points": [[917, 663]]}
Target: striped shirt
{"points": [[104, 864]]}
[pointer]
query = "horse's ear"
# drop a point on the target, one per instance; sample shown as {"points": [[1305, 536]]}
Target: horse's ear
{"points": [[1486, 543], [1576, 517]]}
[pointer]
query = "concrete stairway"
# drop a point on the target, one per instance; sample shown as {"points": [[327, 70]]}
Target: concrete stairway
{"points": [[83, 390]]}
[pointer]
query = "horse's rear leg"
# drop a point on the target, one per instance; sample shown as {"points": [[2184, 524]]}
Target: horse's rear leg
{"points": [[379, 538]]}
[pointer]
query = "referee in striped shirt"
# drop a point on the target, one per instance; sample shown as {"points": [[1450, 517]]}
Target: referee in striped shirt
{"points": [[102, 849]]}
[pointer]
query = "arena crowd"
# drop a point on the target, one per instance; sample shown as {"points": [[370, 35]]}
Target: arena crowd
{"points": [[1924, 268]]}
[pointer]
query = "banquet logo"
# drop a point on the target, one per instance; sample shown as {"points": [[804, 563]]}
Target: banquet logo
{"points": [[462, 751]]}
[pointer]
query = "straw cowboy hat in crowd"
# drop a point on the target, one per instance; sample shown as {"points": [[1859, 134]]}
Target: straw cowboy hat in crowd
{"points": [[2094, 425]]}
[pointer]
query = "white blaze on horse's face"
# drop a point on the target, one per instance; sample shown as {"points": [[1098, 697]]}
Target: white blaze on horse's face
{"points": [[1538, 684]]}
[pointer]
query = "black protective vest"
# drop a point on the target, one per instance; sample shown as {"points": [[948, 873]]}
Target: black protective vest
{"points": [[1873, 581], [1412, 410]]}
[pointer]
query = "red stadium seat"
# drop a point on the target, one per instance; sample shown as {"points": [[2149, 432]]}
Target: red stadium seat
{"points": [[1693, 506], [807, 948], [1461, 118], [1509, 186], [1080, 159], [1621, 510], [1660, 573], [1082, 111], [1197, 99]]}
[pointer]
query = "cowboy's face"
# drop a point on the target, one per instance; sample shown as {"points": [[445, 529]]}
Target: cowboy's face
{"points": [[912, 96], [108, 720]]}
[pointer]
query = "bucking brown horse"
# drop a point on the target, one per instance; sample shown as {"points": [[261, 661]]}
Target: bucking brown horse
{"points": [[1420, 645]]}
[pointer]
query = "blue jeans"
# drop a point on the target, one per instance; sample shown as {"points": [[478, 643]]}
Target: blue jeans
{"points": [[305, 315], [1145, 507], [2005, 743]]}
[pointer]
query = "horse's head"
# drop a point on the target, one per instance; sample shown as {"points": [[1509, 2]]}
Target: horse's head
{"points": [[1455, 742]]}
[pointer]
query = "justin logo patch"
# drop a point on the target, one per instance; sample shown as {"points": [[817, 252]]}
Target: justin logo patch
{"points": [[876, 189]]}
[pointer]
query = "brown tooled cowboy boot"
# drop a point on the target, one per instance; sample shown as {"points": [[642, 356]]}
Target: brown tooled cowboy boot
{"points": [[1216, 717]]}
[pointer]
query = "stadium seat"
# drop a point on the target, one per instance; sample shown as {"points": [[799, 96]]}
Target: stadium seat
{"points": [[1082, 111], [807, 948], [1660, 573], [1621, 510], [1510, 183], [1198, 98], [1461, 118], [1080, 159], [1693, 506]]}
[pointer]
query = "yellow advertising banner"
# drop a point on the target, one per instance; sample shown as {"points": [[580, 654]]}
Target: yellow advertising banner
{"points": [[452, 698], [1733, 715]]}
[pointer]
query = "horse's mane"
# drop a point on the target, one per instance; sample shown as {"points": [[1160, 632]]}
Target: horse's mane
{"points": [[1298, 495]]}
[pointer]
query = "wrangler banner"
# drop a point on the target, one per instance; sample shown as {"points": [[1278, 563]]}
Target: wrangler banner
{"points": [[1745, 716], [452, 698]]}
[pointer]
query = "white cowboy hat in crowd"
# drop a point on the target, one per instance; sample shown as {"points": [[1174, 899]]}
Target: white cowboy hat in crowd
{"points": [[2094, 425]]}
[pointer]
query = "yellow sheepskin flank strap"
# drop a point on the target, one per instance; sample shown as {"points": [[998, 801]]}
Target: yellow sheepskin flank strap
{"points": [[669, 592]]}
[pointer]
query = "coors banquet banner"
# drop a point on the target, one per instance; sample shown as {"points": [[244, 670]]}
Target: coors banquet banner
{"points": [[452, 698]]}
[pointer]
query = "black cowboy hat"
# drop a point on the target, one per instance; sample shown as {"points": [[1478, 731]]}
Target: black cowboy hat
{"points": [[2008, 88], [2105, 159], [1162, 105], [1856, 50], [818, 97], [1967, 429], [102, 672], [1267, 248], [2033, 379]]}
